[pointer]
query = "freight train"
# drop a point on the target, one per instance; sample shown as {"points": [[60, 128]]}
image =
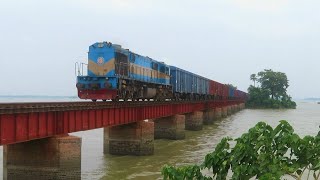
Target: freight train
{"points": [[116, 73]]}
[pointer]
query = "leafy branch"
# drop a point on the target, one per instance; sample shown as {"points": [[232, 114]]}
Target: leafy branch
{"points": [[262, 153]]}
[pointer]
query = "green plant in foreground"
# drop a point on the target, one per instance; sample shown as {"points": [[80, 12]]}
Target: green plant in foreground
{"points": [[262, 153]]}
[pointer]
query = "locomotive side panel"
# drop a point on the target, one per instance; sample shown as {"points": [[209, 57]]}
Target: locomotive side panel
{"points": [[145, 69]]}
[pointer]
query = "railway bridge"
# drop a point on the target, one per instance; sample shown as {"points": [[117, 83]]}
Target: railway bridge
{"points": [[35, 136]]}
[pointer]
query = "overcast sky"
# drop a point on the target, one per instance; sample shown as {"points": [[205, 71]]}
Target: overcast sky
{"points": [[225, 40]]}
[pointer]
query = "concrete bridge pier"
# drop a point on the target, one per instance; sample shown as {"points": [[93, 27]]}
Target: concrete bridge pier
{"points": [[236, 108], [218, 113], [172, 127], [242, 106], [130, 139], [194, 121], [57, 157], [229, 110], [224, 112], [233, 109], [208, 116]]}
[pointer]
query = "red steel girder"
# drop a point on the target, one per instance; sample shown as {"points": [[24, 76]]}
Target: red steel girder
{"points": [[22, 123]]}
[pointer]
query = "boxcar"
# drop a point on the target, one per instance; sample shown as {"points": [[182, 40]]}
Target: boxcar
{"points": [[187, 85]]}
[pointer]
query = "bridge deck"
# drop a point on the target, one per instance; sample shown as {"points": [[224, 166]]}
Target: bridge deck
{"points": [[21, 122]]}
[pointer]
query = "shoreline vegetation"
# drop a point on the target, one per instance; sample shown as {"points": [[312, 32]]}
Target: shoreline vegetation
{"points": [[269, 91], [261, 153]]}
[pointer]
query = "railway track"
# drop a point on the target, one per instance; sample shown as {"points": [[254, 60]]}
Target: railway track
{"points": [[27, 107]]}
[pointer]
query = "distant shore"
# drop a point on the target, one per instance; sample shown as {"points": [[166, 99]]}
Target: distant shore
{"points": [[312, 99]]}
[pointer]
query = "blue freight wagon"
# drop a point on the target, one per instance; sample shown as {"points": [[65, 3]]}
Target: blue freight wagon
{"points": [[187, 85]]}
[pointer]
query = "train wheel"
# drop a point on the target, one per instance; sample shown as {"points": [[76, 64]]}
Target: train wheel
{"points": [[104, 100], [94, 100], [177, 97]]}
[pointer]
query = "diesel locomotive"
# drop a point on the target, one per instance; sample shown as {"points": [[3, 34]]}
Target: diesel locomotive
{"points": [[117, 73]]}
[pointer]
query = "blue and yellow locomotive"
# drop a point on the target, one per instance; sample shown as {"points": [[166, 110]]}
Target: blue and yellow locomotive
{"points": [[117, 73]]}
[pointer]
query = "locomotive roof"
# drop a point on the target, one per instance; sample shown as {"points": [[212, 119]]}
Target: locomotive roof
{"points": [[122, 50]]}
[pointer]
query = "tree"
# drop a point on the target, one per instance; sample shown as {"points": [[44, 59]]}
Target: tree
{"points": [[253, 77], [258, 97], [275, 82], [272, 92]]}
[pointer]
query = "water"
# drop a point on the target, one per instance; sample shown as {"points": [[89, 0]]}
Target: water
{"points": [[95, 165], [38, 98]]}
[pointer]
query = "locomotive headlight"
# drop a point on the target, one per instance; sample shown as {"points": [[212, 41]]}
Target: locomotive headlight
{"points": [[80, 86], [94, 86], [107, 85]]}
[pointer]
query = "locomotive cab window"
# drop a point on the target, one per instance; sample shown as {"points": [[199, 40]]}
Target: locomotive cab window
{"points": [[162, 69], [121, 58], [167, 70], [155, 66], [132, 58]]}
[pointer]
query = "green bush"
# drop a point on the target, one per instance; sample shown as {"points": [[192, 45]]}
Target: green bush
{"points": [[262, 153]]}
